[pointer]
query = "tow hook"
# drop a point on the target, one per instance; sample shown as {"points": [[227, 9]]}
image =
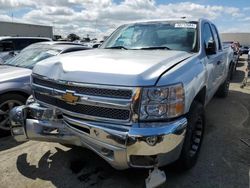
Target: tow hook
{"points": [[156, 178]]}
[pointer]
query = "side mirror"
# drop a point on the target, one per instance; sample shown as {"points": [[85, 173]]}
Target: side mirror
{"points": [[12, 53], [211, 47], [96, 45]]}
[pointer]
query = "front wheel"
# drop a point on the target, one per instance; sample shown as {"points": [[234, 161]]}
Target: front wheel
{"points": [[194, 136], [7, 102]]}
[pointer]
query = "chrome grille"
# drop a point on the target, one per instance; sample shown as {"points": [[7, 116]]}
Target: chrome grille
{"points": [[92, 91], [95, 111]]}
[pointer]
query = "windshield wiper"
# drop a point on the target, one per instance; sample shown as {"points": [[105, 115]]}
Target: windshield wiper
{"points": [[155, 48], [117, 47]]}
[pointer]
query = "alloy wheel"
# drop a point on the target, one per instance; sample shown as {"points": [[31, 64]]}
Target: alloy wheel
{"points": [[4, 113]]}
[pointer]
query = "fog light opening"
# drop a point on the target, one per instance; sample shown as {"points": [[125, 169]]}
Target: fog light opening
{"points": [[17, 131], [152, 140], [107, 152]]}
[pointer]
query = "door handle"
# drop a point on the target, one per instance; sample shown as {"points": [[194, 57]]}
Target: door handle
{"points": [[218, 62]]}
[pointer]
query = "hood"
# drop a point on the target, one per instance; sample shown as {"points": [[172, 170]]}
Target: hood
{"points": [[10, 73], [111, 67]]}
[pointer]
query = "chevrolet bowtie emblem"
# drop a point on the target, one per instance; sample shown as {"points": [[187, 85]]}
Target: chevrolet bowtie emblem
{"points": [[70, 98]]}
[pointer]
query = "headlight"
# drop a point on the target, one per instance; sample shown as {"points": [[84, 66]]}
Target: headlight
{"points": [[162, 102]]}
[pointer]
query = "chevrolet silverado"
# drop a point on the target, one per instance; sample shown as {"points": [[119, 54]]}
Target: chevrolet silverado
{"points": [[137, 101]]}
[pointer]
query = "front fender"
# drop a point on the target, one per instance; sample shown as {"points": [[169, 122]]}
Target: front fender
{"points": [[20, 84], [192, 73]]}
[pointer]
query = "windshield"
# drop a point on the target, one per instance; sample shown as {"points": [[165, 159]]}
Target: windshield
{"points": [[155, 35], [30, 56]]}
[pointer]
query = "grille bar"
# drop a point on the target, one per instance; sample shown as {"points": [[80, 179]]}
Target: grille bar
{"points": [[92, 91], [95, 111]]}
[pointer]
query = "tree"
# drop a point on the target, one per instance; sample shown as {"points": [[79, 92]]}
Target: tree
{"points": [[57, 37], [73, 37]]}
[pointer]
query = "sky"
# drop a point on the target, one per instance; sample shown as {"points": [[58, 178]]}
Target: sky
{"points": [[101, 17]]}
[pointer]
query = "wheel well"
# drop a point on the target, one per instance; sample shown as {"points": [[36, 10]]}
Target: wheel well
{"points": [[26, 95], [201, 96]]}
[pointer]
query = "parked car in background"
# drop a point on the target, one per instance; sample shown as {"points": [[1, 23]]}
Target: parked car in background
{"points": [[10, 46], [15, 74], [137, 101], [244, 50], [92, 44], [234, 45]]}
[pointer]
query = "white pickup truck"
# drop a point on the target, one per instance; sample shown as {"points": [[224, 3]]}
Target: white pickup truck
{"points": [[137, 101]]}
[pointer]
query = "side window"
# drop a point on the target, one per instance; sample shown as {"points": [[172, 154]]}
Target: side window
{"points": [[38, 40], [207, 34], [6, 46], [21, 43], [217, 38], [15, 43]]}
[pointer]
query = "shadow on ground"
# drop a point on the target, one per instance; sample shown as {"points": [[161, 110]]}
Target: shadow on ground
{"points": [[80, 168], [238, 76], [8, 142]]}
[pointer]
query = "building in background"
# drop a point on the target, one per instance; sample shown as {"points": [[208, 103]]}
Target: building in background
{"points": [[242, 38], [25, 30]]}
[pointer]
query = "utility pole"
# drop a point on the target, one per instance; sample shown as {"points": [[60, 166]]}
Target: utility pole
{"points": [[12, 15]]}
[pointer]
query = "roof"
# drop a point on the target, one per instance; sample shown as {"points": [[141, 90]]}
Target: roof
{"points": [[166, 20], [9, 37], [61, 43], [55, 45]]}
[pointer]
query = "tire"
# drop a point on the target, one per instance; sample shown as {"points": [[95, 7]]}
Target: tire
{"points": [[7, 102], [194, 136], [223, 90]]}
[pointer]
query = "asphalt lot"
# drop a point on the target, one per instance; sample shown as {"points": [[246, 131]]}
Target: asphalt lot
{"points": [[224, 160]]}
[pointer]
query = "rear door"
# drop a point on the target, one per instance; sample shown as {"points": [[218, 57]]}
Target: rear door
{"points": [[220, 58]]}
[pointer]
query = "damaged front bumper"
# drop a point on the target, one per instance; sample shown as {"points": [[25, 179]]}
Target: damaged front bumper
{"points": [[141, 145]]}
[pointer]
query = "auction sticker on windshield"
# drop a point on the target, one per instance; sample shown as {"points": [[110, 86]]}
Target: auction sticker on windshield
{"points": [[185, 25]]}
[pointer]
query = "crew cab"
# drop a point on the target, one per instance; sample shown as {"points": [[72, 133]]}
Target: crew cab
{"points": [[137, 101]]}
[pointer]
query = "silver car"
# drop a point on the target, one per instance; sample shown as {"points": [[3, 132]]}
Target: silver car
{"points": [[10, 46], [15, 75]]}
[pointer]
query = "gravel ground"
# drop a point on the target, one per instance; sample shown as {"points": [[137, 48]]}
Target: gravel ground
{"points": [[224, 160]]}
